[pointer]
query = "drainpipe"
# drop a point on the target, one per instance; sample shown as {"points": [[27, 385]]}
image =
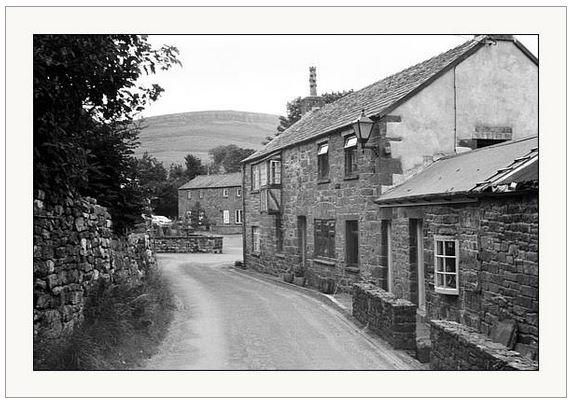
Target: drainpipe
{"points": [[455, 113]]}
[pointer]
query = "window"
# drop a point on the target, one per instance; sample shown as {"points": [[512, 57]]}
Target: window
{"points": [[350, 147], [256, 237], [275, 172], [279, 232], [239, 192], [255, 175], [188, 194], [352, 243], [238, 216], [200, 193], [446, 265], [323, 167], [324, 238], [225, 216], [225, 192], [386, 253], [263, 176]]}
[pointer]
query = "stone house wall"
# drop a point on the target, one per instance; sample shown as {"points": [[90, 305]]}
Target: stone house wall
{"points": [[338, 198], [498, 263], [214, 204], [73, 248], [496, 87]]}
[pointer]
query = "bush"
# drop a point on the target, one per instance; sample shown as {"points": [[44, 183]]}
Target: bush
{"points": [[123, 325]]}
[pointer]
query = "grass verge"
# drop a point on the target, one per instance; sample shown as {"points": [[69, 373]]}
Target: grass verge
{"points": [[123, 325]]}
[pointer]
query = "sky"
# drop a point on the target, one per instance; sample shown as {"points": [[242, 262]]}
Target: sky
{"points": [[261, 73]]}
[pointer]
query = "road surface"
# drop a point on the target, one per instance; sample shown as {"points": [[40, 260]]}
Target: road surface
{"points": [[226, 319]]}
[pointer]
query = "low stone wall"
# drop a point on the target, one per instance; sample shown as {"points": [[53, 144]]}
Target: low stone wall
{"points": [[458, 347], [74, 247], [392, 318], [189, 244]]}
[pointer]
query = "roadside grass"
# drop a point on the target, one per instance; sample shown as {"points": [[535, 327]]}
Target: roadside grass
{"points": [[123, 326]]}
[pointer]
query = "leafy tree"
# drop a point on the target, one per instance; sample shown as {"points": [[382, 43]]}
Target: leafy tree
{"points": [[152, 177], [294, 112], [229, 157], [194, 166], [86, 95]]}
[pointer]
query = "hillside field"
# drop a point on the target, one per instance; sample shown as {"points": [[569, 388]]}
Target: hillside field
{"points": [[170, 138]]}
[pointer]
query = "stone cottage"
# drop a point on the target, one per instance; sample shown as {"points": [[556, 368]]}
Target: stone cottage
{"points": [[310, 193], [462, 240], [221, 196]]}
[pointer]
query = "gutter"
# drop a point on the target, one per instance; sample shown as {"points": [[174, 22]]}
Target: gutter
{"points": [[448, 198]]}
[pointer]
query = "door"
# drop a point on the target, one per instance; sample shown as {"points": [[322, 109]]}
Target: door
{"points": [[301, 229]]}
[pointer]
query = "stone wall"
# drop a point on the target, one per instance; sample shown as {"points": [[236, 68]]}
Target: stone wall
{"points": [[392, 318], [189, 244], [74, 247], [457, 347], [499, 274], [214, 204]]}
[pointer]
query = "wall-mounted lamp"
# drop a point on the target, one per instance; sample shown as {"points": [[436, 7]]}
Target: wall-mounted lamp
{"points": [[363, 129]]}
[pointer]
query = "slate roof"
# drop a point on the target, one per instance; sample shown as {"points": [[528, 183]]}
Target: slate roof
{"points": [[214, 181], [470, 173], [378, 98]]}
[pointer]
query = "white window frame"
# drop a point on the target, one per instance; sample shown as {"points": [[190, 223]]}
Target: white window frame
{"points": [[239, 192], [189, 194], [238, 216], [200, 193], [225, 192], [443, 289], [226, 217]]}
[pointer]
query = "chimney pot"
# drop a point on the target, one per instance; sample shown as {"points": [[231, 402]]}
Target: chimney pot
{"points": [[312, 81]]}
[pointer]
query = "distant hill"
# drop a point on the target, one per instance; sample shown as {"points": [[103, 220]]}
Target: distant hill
{"points": [[170, 138]]}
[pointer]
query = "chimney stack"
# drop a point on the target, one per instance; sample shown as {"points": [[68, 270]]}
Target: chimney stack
{"points": [[312, 81]]}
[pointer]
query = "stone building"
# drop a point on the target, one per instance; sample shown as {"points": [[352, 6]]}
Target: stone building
{"points": [[221, 196], [310, 193], [462, 239]]}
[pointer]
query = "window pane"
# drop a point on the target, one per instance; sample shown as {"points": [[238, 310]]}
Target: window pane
{"points": [[450, 280], [440, 280], [350, 142], [450, 248], [450, 264], [440, 245], [439, 264], [322, 149]]}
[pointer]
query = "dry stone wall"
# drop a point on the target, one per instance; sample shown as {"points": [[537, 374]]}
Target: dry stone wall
{"points": [[458, 347], [189, 244], [74, 247], [392, 318]]}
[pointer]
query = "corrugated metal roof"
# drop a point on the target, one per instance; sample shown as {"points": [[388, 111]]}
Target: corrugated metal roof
{"points": [[382, 96], [214, 181], [530, 173], [473, 171]]}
